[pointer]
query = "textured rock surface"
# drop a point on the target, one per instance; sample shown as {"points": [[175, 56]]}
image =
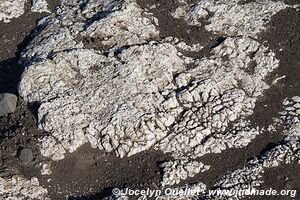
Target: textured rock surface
{"points": [[39, 6], [11, 9], [175, 171], [250, 176], [8, 103], [231, 17], [142, 94], [129, 90], [133, 93], [214, 94], [18, 188]]}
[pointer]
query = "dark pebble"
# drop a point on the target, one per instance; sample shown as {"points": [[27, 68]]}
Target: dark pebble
{"points": [[25, 155]]}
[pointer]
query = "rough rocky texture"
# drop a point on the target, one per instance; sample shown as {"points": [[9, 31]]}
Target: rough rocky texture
{"points": [[11, 9], [39, 6], [46, 169], [156, 103], [18, 188], [102, 75], [287, 152], [8, 103], [213, 94], [250, 176], [175, 171], [118, 97], [136, 91], [291, 111], [229, 16]]}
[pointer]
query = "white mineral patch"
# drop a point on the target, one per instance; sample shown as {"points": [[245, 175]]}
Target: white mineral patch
{"points": [[39, 6], [175, 171], [183, 46], [129, 101], [125, 26], [18, 188], [46, 169], [291, 112], [230, 17], [78, 109], [107, 111], [11, 9], [138, 91], [250, 176], [49, 147], [217, 91]]}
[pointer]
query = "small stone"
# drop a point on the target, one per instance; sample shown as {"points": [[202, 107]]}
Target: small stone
{"points": [[8, 103], [296, 99], [25, 155], [297, 105]]}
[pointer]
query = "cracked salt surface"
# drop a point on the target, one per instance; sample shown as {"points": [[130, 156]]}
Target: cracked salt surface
{"points": [[175, 171], [141, 92], [144, 95], [287, 152], [229, 16], [250, 176]]}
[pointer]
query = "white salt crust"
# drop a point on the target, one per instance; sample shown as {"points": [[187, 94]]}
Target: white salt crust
{"points": [[138, 92]]}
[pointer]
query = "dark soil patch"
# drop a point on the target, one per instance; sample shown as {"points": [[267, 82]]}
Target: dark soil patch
{"points": [[18, 131], [283, 37], [290, 2], [232, 159], [284, 177], [243, 2], [92, 174], [14, 37], [169, 26], [94, 43], [52, 4]]}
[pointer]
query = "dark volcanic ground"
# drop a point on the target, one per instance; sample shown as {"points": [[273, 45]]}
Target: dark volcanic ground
{"points": [[91, 174]]}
